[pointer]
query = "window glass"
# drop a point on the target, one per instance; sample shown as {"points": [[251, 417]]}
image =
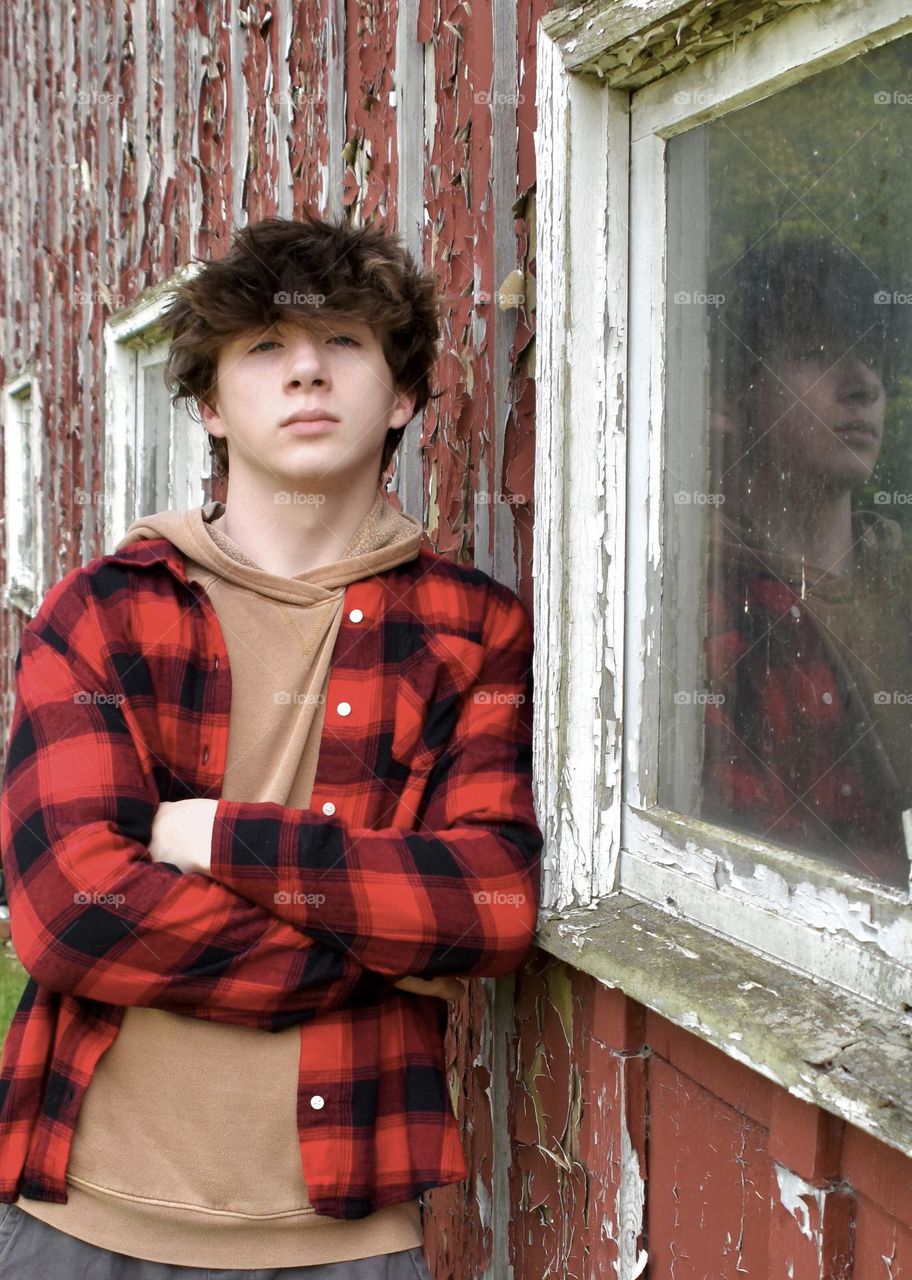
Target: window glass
{"points": [[23, 405], [786, 657], [155, 431]]}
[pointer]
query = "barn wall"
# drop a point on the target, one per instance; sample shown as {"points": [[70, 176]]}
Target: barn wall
{"points": [[144, 133], [598, 1135], [637, 1146]]}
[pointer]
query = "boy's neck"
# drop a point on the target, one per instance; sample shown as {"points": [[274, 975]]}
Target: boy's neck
{"points": [[298, 535]]}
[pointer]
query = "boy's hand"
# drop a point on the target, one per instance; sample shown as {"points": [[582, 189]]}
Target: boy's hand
{"points": [[182, 834], [445, 988]]}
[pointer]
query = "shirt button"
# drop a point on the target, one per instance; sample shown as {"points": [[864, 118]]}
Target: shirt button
{"points": [[795, 611], [845, 790], [344, 709], [216, 662], [329, 807], [828, 698], [356, 615], [317, 1102], [205, 754]]}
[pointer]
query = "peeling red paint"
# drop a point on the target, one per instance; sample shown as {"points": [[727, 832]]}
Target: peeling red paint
{"points": [[633, 1143]]}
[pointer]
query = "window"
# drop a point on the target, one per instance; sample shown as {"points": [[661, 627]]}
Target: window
{"points": [[156, 454], [786, 646], [723, 480], [24, 524]]}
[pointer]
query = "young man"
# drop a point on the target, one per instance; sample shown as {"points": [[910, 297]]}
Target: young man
{"points": [[809, 644], [268, 793]]}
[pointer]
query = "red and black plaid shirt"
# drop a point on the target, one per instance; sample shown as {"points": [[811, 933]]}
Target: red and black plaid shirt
{"points": [[792, 747], [428, 864]]}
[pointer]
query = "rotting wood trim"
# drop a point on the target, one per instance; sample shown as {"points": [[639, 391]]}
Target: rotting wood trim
{"points": [[631, 44], [848, 1056]]}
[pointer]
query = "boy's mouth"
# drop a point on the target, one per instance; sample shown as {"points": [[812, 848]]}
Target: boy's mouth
{"points": [[858, 430], [309, 427], [304, 416]]}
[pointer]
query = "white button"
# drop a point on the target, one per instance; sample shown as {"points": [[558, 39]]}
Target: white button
{"points": [[329, 807], [316, 1102], [828, 698], [795, 611], [344, 709], [845, 789], [356, 615]]}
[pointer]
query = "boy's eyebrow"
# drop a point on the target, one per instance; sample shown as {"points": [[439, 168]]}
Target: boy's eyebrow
{"points": [[317, 322]]}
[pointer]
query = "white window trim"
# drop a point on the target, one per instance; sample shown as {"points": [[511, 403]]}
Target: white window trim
{"points": [[24, 586], [596, 598], [133, 328]]}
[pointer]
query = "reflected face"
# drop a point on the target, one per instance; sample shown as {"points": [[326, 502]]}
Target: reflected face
{"points": [[813, 418]]}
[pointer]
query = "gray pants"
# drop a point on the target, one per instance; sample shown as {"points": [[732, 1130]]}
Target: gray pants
{"points": [[32, 1250]]}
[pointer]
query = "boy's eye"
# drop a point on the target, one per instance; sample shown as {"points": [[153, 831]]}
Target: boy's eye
{"points": [[338, 337]]}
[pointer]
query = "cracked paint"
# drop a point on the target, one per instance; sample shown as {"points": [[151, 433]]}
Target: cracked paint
{"points": [[177, 126]]}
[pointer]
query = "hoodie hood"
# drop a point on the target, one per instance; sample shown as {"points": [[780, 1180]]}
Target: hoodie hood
{"points": [[385, 538]]}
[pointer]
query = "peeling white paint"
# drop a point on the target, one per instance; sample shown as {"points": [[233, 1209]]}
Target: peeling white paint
{"points": [[579, 529], [629, 1202], [794, 1193]]}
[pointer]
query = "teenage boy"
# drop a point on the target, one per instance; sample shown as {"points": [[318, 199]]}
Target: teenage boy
{"points": [[809, 645], [268, 794]]}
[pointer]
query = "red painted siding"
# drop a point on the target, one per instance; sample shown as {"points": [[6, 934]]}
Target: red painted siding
{"points": [[134, 143]]}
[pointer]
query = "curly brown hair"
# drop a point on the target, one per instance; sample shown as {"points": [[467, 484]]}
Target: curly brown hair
{"points": [[280, 270]]}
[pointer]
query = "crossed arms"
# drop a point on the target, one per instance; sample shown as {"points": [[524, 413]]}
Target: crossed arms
{"points": [[93, 914]]}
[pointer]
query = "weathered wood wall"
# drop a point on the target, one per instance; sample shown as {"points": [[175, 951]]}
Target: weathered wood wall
{"points": [[137, 135], [143, 132]]}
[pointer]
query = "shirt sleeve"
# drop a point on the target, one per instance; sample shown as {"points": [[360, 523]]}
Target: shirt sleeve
{"points": [[91, 915], [457, 895]]}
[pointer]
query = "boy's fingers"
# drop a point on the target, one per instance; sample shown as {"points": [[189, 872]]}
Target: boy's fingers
{"points": [[445, 988]]}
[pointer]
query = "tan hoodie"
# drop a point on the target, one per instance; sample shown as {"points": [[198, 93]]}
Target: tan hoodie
{"points": [[172, 1160]]}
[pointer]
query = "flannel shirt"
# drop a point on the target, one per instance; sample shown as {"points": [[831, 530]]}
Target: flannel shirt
{"points": [[792, 750], [428, 864]]}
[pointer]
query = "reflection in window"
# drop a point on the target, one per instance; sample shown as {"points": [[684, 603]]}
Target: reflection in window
{"points": [[786, 702]]}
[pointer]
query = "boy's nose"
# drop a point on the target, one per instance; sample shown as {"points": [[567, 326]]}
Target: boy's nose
{"points": [[860, 381]]}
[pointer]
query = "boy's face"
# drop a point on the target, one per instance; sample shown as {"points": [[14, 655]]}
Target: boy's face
{"points": [[815, 417], [334, 366]]}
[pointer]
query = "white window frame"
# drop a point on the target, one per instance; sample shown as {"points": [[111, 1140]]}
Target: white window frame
{"points": [[598, 528], [133, 340], [24, 586]]}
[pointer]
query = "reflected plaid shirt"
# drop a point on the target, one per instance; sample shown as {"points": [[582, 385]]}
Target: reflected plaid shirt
{"points": [[428, 865]]}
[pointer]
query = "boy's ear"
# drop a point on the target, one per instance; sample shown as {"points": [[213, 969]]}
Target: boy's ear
{"points": [[404, 409], [210, 418]]}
